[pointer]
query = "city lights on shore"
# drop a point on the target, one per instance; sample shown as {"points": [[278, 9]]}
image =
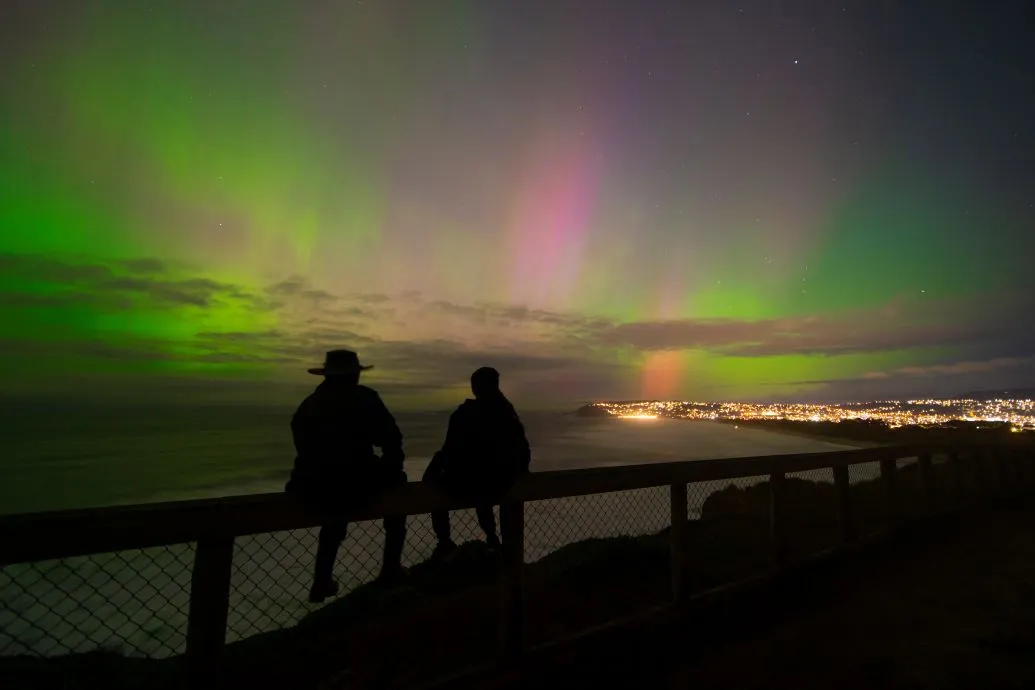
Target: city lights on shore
{"points": [[1018, 414]]}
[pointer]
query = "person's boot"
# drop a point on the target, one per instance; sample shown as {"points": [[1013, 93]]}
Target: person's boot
{"points": [[322, 590], [393, 575], [444, 551]]}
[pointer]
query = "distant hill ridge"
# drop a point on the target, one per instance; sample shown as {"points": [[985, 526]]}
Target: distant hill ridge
{"points": [[1006, 394], [595, 410], [592, 411]]}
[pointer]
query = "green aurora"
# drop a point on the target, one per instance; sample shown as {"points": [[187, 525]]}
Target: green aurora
{"points": [[218, 194]]}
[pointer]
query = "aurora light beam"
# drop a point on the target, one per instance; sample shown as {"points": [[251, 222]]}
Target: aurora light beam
{"points": [[603, 199]]}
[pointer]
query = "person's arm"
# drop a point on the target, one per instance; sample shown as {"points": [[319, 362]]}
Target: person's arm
{"points": [[445, 456], [454, 434], [387, 435], [300, 437], [521, 443], [299, 429]]}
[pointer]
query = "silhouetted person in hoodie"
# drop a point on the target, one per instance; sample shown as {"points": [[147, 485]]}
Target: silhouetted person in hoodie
{"points": [[335, 431], [484, 452]]}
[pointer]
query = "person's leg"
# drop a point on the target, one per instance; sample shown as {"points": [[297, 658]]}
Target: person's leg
{"points": [[440, 525], [395, 529], [445, 546], [487, 521], [395, 538], [331, 536], [436, 476], [434, 469]]}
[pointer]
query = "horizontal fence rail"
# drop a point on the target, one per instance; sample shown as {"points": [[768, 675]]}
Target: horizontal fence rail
{"points": [[209, 533], [61, 534]]}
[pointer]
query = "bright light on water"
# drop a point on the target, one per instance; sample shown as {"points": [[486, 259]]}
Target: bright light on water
{"points": [[637, 416]]}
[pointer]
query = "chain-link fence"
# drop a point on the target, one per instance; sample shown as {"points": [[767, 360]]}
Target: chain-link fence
{"points": [[909, 487], [869, 509], [131, 602], [589, 558], [558, 522], [728, 535], [811, 515], [136, 602], [583, 552]]}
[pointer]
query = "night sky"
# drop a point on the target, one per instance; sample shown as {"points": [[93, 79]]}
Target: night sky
{"points": [[604, 199]]}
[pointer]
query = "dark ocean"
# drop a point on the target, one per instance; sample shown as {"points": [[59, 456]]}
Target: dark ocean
{"points": [[80, 455]]}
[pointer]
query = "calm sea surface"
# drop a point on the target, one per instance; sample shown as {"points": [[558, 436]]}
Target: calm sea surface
{"points": [[136, 601], [82, 456]]}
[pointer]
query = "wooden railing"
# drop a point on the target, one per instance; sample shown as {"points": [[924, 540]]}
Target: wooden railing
{"points": [[213, 524]]}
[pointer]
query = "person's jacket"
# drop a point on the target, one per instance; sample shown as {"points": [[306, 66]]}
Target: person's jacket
{"points": [[335, 431], [486, 438]]}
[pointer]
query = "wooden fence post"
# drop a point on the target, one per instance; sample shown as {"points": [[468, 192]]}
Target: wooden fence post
{"points": [[1002, 471], [956, 477], [1017, 461], [777, 517], [1017, 469], [888, 471], [978, 473], [678, 540], [927, 486], [991, 471], [844, 502], [209, 606], [512, 532], [1009, 469]]}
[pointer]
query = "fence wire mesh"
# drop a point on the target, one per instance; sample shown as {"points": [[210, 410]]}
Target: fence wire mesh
{"points": [[909, 487], [573, 574], [864, 472], [811, 511], [557, 522], [131, 602], [869, 508], [136, 602], [697, 493], [270, 578], [728, 532], [272, 572]]}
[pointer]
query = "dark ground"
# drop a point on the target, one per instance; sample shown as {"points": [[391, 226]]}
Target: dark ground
{"points": [[950, 606]]}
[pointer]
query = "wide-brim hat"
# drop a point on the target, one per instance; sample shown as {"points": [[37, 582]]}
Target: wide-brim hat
{"points": [[338, 362]]}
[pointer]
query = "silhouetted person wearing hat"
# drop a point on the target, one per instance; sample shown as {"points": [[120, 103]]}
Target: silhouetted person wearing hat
{"points": [[484, 451], [335, 431]]}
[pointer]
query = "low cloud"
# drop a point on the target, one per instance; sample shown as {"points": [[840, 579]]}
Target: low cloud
{"points": [[426, 343], [862, 332], [944, 369], [943, 379], [299, 287], [958, 368], [143, 283]]}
